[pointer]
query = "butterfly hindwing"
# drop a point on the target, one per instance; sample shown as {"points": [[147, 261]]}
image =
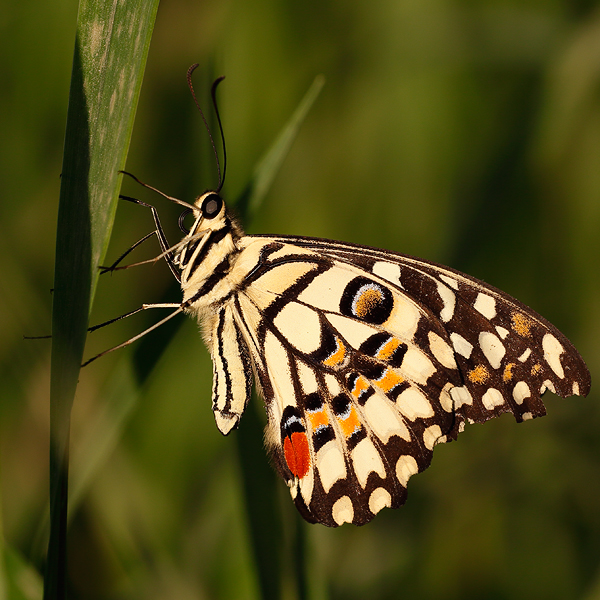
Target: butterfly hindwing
{"points": [[349, 412]]}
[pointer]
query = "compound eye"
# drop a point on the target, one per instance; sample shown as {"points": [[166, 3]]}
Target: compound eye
{"points": [[211, 206]]}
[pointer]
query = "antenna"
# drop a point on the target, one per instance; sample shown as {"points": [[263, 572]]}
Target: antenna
{"points": [[213, 90], [213, 94]]}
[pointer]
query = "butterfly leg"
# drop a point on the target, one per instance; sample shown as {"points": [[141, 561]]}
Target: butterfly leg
{"points": [[179, 308], [115, 265], [160, 234]]}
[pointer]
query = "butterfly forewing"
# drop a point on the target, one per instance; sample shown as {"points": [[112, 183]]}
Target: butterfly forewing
{"points": [[478, 318], [232, 370]]}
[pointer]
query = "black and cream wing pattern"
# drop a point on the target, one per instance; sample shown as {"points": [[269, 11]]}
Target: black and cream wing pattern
{"points": [[366, 359]]}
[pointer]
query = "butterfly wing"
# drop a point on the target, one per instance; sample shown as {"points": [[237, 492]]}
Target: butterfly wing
{"points": [[484, 323], [232, 369], [367, 359]]}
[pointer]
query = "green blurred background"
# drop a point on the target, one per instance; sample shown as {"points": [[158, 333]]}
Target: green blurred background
{"points": [[461, 131]]}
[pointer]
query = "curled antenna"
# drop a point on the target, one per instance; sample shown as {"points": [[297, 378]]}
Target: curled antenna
{"points": [[213, 90]]}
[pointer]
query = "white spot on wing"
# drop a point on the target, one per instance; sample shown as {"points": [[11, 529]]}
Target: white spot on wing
{"points": [[461, 345], [406, 467], [525, 355], [502, 332], [388, 271], [461, 395], [486, 305], [343, 511], [450, 281], [449, 300], [441, 350], [384, 420], [446, 401], [492, 398], [277, 362], [324, 291], [413, 404], [308, 381], [527, 416], [520, 392], [354, 332], [547, 385], [333, 385], [380, 498], [492, 347], [331, 465], [431, 436], [366, 459], [552, 351], [575, 388], [404, 318], [417, 366], [307, 484]]}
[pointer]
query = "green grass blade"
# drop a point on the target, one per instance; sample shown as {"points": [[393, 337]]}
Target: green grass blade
{"points": [[22, 580], [111, 47], [269, 165]]}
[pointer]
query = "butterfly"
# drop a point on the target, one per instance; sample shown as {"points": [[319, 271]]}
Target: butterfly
{"points": [[366, 359]]}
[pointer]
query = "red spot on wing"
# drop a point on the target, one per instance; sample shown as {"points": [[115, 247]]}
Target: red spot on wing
{"points": [[297, 455]]}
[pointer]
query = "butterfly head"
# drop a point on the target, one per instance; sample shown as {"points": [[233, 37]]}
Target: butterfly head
{"points": [[210, 239], [209, 213]]}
